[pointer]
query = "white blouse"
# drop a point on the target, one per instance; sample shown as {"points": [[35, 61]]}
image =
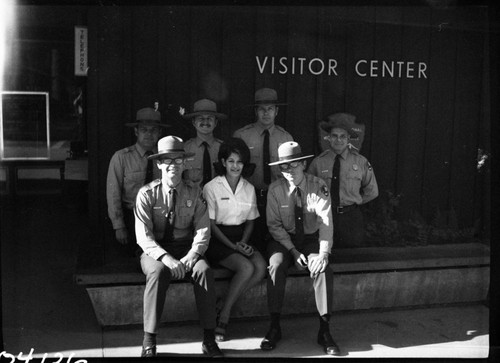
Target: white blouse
{"points": [[228, 208]]}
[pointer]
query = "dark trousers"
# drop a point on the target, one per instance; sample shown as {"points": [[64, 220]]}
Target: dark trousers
{"points": [[131, 249], [158, 278], [279, 262], [348, 229]]}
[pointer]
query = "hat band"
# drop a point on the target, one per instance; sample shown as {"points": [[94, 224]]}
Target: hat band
{"points": [[171, 151], [290, 157]]}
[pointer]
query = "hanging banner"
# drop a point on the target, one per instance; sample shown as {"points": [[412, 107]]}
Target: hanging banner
{"points": [[81, 50]]}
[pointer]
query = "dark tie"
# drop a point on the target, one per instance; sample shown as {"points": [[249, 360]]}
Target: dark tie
{"points": [[334, 188], [149, 168], [299, 217], [266, 158], [169, 228], [207, 166]]}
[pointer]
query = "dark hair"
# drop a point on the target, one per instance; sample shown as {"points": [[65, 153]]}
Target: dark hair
{"points": [[237, 146]]}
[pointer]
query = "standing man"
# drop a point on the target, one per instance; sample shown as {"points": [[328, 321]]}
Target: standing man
{"points": [[349, 176], [263, 137], [129, 169], [300, 222], [205, 147], [173, 230]]}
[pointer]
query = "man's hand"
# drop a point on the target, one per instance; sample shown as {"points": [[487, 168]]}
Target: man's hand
{"points": [[176, 267], [318, 263], [299, 259], [244, 249], [121, 235], [189, 260]]}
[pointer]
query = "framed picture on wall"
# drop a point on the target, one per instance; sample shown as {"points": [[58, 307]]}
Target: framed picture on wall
{"points": [[24, 126]]}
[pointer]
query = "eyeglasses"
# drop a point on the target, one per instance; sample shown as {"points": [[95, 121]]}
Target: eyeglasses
{"points": [[169, 161], [286, 166]]}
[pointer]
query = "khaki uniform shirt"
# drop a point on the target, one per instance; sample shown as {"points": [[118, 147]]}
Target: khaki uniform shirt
{"points": [[194, 165], [253, 135], [191, 218], [280, 211], [126, 175], [357, 183]]}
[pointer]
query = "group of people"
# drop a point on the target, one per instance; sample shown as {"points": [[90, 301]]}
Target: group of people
{"points": [[248, 204]]}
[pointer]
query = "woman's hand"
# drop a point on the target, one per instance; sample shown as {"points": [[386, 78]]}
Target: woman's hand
{"points": [[244, 249]]}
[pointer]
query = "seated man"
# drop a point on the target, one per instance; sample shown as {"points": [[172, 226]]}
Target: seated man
{"points": [[300, 222], [173, 229]]}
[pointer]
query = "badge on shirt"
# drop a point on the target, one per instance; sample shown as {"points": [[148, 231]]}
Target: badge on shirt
{"points": [[324, 189], [355, 167], [189, 203]]}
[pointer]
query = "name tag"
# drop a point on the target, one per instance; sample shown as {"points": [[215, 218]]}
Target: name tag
{"points": [[324, 171], [224, 198], [156, 207], [284, 206]]}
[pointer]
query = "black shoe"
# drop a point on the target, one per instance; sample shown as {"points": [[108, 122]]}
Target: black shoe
{"points": [[272, 337], [326, 341], [149, 351], [211, 349]]}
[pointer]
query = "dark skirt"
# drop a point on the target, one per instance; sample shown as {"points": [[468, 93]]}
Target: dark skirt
{"points": [[217, 250]]}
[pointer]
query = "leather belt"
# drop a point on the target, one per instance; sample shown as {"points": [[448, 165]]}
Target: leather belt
{"points": [[341, 209]]}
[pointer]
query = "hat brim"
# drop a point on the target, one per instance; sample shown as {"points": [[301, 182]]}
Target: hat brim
{"points": [[173, 155], [219, 116], [277, 103], [290, 160], [327, 127], [133, 124]]}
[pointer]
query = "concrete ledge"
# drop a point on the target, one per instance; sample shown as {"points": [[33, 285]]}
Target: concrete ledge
{"points": [[365, 278]]}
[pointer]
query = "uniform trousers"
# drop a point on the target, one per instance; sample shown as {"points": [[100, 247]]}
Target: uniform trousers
{"points": [[130, 249], [348, 229], [280, 259], [158, 278]]}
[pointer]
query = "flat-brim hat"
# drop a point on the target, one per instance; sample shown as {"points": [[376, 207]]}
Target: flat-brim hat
{"points": [[170, 147], [288, 152], [148, 117], [267, 96], [343, 121], [205, 107]]}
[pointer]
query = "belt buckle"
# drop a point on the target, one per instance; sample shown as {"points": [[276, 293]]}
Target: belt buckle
{"points": [[340, 209]]}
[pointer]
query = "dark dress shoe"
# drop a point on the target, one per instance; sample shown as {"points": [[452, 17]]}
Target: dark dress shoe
{"points": [[148, 352], [211, 349], [326, 341], [272, 337]]}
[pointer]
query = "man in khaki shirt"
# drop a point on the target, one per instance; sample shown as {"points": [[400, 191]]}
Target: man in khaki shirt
{"points": [[300, 222]]}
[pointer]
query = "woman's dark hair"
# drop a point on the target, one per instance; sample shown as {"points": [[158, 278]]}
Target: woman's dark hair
{"points": [[237, 146]]}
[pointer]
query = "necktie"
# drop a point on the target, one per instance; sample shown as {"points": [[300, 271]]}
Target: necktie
{"points": [[299, 217], [169, 228], [207, 167], [266, 158], [334, 188], [149, 168]]}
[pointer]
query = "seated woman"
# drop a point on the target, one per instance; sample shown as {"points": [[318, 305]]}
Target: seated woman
{"points": [[232, 208]]}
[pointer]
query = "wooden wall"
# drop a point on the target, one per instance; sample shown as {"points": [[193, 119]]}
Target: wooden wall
{"points": [[422, 134]]}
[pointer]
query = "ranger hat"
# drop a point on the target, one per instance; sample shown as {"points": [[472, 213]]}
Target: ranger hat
{"points": [[170, 147], [343, 121], [267, 96], [289, 151], [205, 107], [149, 117]]}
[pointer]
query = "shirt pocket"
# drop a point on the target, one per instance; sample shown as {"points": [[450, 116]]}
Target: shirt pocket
{"points": [[184, 218], [354, 181], [255, 153], [132, 182], [287, 216]]}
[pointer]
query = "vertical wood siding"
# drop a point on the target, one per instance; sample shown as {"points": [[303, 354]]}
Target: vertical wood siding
{"points": [[422, 134]]}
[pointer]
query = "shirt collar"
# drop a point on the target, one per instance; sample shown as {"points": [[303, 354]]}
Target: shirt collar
{"points": [[200, 141], [262, 129], [141, 150], [343, 155]]}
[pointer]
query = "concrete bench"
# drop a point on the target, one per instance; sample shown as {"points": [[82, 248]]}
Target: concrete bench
{"points": [[364, 278]]}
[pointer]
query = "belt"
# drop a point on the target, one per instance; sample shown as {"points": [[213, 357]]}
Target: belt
{"points": [[341, 209]]}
